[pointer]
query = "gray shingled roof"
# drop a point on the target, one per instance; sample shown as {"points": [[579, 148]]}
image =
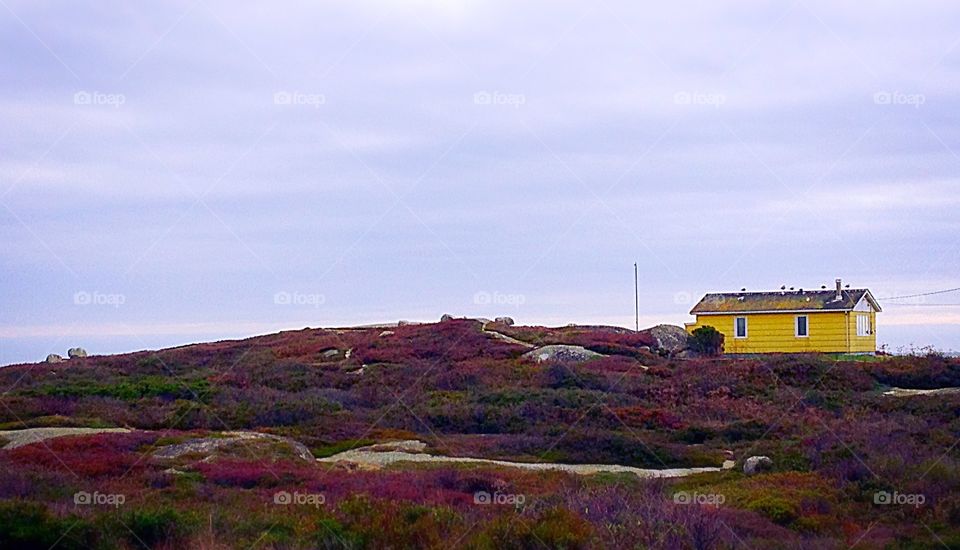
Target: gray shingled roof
{"points": [[786, 300]]}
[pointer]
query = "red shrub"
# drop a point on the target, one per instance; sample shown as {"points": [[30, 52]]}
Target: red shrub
{"points": [[249, 474], [98, 455], [643, 417]]}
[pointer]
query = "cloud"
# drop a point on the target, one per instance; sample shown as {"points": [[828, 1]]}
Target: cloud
{"points": [[919, 317], [719, 146], [139, 330]]}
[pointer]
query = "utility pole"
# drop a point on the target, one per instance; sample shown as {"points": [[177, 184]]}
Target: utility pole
{"points": [[636, 298]]}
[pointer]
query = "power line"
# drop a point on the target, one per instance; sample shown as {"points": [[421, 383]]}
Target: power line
{"points": [[925, 305], [921, 294]]}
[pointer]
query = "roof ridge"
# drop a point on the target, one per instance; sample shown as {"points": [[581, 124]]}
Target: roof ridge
{"points": [[795, 291], [820, 299]]}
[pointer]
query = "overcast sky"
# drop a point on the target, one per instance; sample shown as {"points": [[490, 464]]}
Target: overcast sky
{"points": [[188, 171]]}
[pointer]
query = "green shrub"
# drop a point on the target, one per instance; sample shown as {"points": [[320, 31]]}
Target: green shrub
{"points": [[556, 528], [279, 534], [778, 510], [706, 340], [30, 526], [744, 431], [131, 390], [155, 526], [694, 435], [332, 535]]}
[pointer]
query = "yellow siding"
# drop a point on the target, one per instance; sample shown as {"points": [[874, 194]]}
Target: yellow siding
{"points": [[862, 344], [832, 332]]}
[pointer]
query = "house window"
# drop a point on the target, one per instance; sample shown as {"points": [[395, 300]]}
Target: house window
{"points": [[863, 325], [740, 327], [802, 329]]}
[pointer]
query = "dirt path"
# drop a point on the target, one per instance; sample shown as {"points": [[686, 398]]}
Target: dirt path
{"points": [[378, 456], [374, 456], [504, 337], [19, 438]]}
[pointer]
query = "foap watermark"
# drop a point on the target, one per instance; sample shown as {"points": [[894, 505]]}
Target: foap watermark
{"points": [[484, 97], [483, 498], [283, 97], [284, 298], [899, 98], [84, 97], [705, 499], [484, 298], [900, 499], [699, 98], [97, 298], [683, 297], [96, 498], [297, 498]]}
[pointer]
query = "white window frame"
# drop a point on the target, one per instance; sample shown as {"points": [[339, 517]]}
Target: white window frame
{"points": [[735, 332], [863, 325], [796, 326]]}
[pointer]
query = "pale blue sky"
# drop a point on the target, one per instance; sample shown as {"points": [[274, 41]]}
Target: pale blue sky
{"points": [[198, 170]]}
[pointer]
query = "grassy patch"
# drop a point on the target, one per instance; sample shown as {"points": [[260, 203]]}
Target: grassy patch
{"points": [[56, 421], [861, 358], [146, 386], [783, 498], [30, 526]]}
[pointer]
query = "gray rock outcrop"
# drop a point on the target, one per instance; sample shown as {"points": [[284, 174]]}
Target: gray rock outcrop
{"points": [[669, 338], [757, 464], [560, 352], [210, 445]]}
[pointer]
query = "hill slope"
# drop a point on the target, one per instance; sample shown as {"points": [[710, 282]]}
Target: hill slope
{"points": [[835, 440]]}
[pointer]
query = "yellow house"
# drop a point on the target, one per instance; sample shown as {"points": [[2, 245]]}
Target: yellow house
{"points": [[792, 321]]}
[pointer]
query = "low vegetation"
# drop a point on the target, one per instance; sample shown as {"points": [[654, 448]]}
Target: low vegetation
{"points": [[852, 467], [707, 340]]}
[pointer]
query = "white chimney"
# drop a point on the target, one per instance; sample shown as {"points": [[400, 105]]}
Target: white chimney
{"points": [[839, 290]]}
